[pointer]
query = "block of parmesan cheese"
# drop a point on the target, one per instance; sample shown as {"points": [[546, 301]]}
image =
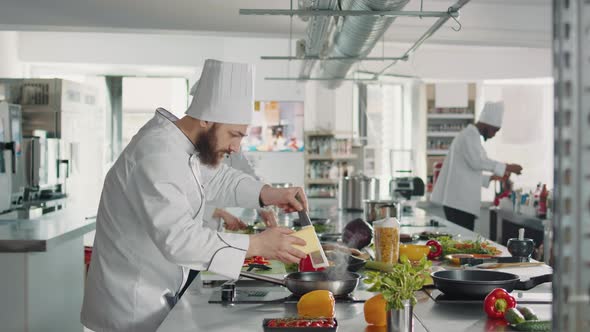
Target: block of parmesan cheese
{"points": [[312, 246]]}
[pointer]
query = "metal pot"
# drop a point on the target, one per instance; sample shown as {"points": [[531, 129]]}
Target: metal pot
{"points": [[379, 209], [352, 190]]}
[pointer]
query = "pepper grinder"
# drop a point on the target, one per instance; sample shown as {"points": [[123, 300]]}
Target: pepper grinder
{"points": [[521, 247]]}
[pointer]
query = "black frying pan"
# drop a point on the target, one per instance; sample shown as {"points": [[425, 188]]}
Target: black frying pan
{"points": [[477, 284], [300, 283]]}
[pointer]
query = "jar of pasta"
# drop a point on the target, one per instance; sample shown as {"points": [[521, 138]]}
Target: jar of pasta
{"points": [[387, 240]]}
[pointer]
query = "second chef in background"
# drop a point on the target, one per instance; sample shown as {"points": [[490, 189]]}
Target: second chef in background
{"points": [[458, 188]]}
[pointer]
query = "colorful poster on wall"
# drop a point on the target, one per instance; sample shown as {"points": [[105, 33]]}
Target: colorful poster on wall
{"points": [[276, 126]]}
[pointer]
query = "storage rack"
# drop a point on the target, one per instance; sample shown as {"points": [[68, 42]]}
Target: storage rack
{"points": [[443, 124], [335, 150], [571, 222]]}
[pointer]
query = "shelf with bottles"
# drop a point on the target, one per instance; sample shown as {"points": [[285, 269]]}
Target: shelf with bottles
{"points": [[327, 171], [451, 112], [322, 191], [321, 181], [328, 147], [439, 143], [445, 129]]}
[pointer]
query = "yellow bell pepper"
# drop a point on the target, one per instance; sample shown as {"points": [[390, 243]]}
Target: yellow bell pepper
{"points": [[315, 304]]}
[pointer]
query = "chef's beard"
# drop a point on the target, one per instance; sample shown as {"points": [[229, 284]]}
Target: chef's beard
{"points": [[486, 134], [206, 144]]}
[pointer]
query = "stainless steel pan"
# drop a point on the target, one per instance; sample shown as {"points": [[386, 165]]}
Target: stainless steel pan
{"points": [[300, 283]]}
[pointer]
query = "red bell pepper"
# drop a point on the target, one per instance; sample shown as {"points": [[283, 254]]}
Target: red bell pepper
{"points": [[497, 302], [435, 249]]}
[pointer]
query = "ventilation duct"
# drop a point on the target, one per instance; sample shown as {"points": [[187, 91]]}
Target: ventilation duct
{"points": [[356, 37], [317, 32]]}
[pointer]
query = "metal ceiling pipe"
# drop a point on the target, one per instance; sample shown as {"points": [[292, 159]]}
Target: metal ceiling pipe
{"points": [[317, 32], [356, 37]]}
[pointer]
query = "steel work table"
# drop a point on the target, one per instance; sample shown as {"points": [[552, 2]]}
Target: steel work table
{"points": [[194, 313]]}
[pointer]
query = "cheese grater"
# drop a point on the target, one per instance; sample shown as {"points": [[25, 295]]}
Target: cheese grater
{"points": [[314, 250]]}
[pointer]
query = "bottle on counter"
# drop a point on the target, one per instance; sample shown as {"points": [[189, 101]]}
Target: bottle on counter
{"points": [[542, 208]]}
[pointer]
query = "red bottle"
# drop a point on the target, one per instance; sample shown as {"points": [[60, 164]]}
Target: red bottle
{"points": [[542, 210]]}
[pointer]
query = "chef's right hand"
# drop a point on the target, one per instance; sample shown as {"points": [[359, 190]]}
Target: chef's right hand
{"points": [[514, 168], [276, 243]]}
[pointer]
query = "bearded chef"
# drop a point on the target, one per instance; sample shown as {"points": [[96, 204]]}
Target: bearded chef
{"points": [[149, 229], [457, 188], [217, 217]]}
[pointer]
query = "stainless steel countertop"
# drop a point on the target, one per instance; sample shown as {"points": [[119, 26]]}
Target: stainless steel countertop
{"points": [[521, 219], [194, 313], [40, 234]]}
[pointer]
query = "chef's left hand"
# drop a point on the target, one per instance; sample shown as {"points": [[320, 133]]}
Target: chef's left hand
{"points": [[289, 199], [268, 216], [231, 222]]}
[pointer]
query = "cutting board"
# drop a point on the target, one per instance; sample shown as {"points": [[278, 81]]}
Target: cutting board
{"points": [[277, 270]]}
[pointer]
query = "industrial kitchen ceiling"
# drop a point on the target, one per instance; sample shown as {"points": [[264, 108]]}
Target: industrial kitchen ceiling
{"points": [[341, 33]]}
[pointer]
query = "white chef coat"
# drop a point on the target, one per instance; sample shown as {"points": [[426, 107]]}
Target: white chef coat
{"points": [[235, 160], [149, 229], [458, 185]]}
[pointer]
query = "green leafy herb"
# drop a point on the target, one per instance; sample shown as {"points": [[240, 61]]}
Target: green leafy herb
{"points": [[478, 246], [401, 283], [291, 267]]}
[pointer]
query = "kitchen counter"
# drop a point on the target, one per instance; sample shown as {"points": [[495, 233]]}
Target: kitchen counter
{"points": [[43, 264], [194, 313], [45, 232], [504, 224]]}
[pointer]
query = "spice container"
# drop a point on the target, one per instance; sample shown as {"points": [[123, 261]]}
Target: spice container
{"points": [[387, 240]]}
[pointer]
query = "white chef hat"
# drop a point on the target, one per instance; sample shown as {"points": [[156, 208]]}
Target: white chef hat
{"points": [[491, 114], [224, 93]]}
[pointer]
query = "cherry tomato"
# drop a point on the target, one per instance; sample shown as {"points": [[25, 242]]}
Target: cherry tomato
{"points": [[316, 324], [272, 323], [281, 324], [303, 323]]}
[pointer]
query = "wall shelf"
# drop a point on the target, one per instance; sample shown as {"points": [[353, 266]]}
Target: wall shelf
{"points": [[321, 181], [442, 133], [446, 124], [330, 157], [437, 152], [451, 116]]}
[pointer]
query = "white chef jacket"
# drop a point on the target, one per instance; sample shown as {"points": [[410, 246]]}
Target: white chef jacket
{"points": [[458, 185], [235, 160], [149, 229]]}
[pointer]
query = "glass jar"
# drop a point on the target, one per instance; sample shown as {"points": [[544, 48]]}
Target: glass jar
{"points": [[387, 240]]}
